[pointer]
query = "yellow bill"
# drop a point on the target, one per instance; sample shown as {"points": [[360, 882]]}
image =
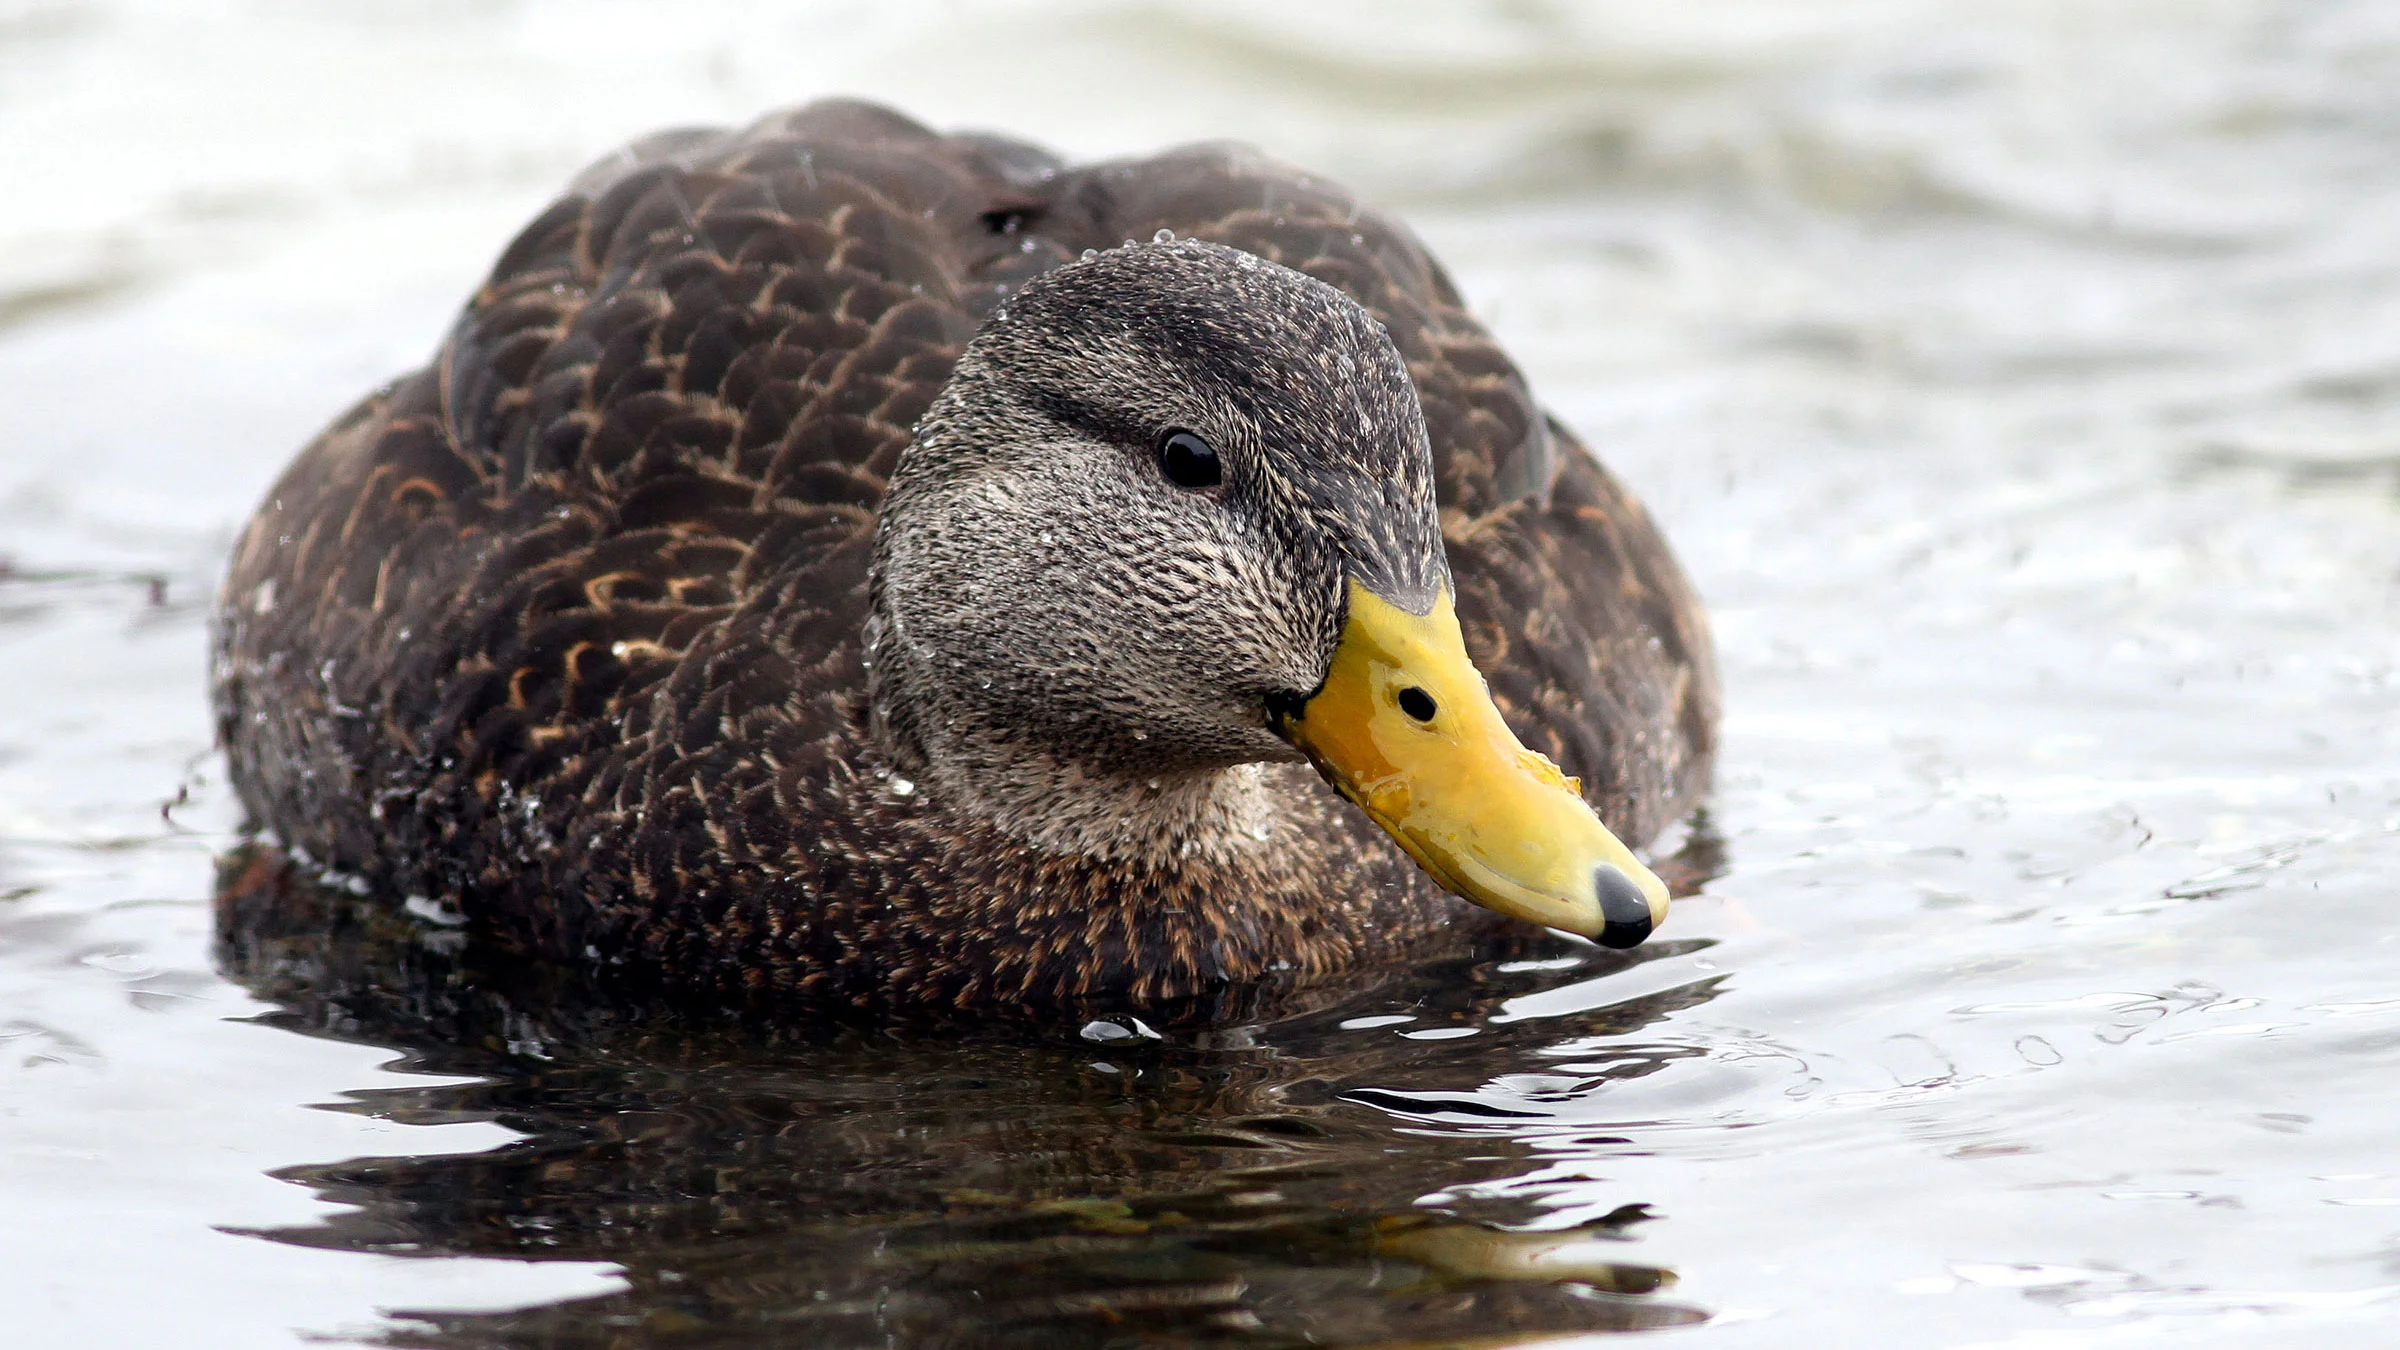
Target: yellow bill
{"points": [[1405, 728]]}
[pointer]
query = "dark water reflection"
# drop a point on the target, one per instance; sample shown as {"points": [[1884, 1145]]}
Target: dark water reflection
{"points": [[1256, 1184]]}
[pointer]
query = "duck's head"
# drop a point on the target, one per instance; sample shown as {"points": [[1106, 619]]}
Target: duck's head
{"points": [[1174, 515]]}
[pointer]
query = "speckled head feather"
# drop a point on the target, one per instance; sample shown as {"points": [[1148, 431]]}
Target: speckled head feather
{"points": [[1298, 380], [1044, 593]]}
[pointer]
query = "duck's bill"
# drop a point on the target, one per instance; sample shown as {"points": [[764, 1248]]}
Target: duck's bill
{"points": [[1405, 728]]}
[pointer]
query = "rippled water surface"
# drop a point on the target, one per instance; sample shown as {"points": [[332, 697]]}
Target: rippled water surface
{"points": [[2018, 380]]}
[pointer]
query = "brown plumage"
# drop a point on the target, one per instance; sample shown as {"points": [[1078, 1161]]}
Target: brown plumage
{"points": [[567, 629]]}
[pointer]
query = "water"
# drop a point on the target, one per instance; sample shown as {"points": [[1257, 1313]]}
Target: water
{"points": [[2016, 379]]}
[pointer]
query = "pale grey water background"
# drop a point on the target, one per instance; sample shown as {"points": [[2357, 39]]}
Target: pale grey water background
{"points": [[2018, 380]]}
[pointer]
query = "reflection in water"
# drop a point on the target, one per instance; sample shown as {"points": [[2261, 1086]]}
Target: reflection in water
{"points": [[1254, 1184]]}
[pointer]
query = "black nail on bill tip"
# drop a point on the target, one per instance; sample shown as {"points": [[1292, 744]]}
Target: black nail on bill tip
{"points": [[1624, 913]]}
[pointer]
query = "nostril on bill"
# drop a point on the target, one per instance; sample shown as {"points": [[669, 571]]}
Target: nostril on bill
{"points": [[1624, 911]]}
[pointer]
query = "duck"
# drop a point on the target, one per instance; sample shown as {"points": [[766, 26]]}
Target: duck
{"points": [[836, 564]]}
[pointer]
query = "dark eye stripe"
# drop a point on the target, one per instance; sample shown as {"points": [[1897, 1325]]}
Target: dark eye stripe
{"points": [[1188, 461], [1100, 421]]}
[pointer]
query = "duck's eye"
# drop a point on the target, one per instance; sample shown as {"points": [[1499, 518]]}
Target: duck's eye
{"points": [[1417, 703], [1188, 461]]}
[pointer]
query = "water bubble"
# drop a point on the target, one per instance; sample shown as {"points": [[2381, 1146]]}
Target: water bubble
{"points": [[129, 965], [433, 911], [1127, 1029], [901, 787], [1090, 253], [1164, 236]]}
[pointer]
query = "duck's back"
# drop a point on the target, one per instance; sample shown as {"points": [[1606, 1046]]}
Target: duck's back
{"points": [[543, 598]]}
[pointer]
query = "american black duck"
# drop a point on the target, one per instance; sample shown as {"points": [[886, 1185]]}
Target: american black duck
{"points": [[837, 563]]}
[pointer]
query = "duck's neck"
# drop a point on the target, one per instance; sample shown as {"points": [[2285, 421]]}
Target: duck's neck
{"points": [[1075, 810], [965, 759]]}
